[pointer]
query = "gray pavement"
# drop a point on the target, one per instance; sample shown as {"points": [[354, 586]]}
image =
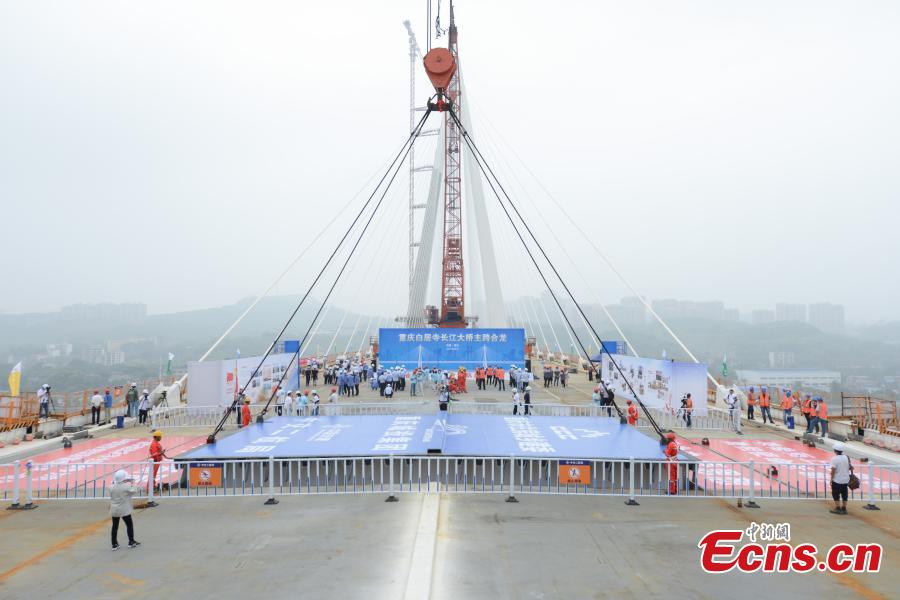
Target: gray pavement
{"points": [[362, 547]]}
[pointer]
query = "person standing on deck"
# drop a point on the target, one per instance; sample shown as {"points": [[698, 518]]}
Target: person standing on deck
{"points": [[632, 413], [131, 400], [787, 404], [120, 507], [764, 405], [157, 453], [751, 402], [245, 413], [734, 406]]}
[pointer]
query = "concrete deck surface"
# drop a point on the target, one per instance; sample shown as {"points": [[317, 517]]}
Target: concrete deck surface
{"points": [[362, 547]]}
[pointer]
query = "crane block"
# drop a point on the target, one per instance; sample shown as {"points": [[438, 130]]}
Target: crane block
{"points": [[440, 67]]}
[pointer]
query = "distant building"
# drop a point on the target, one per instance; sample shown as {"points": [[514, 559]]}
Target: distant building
{"points": [[761, 317], [790, 312], [827, 317], [116, 357], [781, 360], [59, 350], [789, 378], [731, 314]]}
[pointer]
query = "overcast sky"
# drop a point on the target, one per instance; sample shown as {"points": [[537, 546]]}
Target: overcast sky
{"points": [[182, 153]]}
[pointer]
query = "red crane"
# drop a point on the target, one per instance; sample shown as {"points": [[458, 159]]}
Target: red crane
{"points": [[441, 65]]}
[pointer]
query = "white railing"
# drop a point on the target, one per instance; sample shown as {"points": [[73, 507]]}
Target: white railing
{"points": [[272, 477], [203, 416]]}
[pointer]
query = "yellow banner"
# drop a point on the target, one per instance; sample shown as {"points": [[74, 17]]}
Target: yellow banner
{"points": [[15, 378]]}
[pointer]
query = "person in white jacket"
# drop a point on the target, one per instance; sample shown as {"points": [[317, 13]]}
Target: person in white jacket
{"points": [[734, 405], [120, 507]]}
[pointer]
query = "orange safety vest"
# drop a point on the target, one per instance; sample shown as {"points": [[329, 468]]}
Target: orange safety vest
{"points": [[490, 372], [787, 402], [479, 374], [751, 401], [499, 373], [156, 451], [672, 450], [245, 415], [807, 405], [812, 409], [632, 414], [764, 399], [689, 405], [823, 410]]}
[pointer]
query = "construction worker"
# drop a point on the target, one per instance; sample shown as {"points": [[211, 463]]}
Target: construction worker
{"points": [[751, 402], [632, 413], [490, 376], [245, 413], [787, 405], [764, 405], [461, 380], [157, 453], [527, 396], [812, 418], [734, 406], [501, 379], [516, 400], [805, 409], [822, 409], [672, 461]]}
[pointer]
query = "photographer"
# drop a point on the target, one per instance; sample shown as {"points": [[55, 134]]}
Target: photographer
{"points": [[43, 395], [120, 507]]}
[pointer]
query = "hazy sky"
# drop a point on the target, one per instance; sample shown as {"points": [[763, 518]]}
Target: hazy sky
{"points": [[182, 153]]}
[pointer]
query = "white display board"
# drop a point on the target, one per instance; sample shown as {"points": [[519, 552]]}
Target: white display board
{"points": [[658, 383], [212, 383]]}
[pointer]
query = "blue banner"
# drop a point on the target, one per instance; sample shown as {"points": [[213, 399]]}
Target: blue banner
{"points": [[450, 434], [449, 349]]}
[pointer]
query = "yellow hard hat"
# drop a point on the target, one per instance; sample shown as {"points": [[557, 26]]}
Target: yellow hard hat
{"points": [[157, 433]]}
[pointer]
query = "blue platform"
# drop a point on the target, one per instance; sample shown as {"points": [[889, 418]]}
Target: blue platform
{"points": [[447, 434]]}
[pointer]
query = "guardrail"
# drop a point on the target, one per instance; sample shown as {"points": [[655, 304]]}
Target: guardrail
{"points": [[26, 483], [201, 416]]}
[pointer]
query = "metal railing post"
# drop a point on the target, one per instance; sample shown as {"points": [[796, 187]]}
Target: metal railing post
{"points": [[271, 499], [29, 484], [631, 501], [16, 493], [512, 479], [870, 505], [751, 502], [391, 497], [151, 485]]}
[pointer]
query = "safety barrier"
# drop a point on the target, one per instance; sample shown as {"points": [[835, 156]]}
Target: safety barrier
{"points": [[200, 416], [26, 483]]}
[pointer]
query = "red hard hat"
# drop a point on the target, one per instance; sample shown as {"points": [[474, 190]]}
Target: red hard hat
{"points": [[670, 436], [628, 402], [333, 389]]}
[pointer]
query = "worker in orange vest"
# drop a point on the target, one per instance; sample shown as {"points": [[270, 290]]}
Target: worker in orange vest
{"points": [[500, 376], [672, 460], [751, 403], [157, 453], [490, 375], [461, 381], [479, 378], [787, 405], [245, 413], [812, 419], [764, 402], [632, 413], [822, 418], [804, 408]]}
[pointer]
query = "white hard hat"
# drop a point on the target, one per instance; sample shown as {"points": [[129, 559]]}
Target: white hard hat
{"points": [[120, 476], [839, 447], [133, 384], [46, 386], [146, 391]]}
